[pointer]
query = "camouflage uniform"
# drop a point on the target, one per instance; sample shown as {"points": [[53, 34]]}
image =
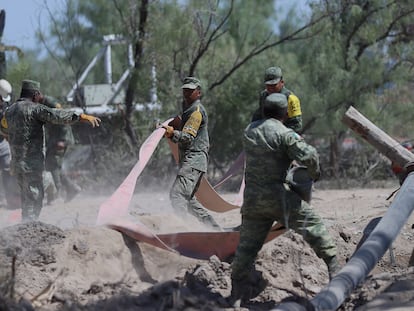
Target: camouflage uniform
{"points": [[58, 138], [193, 145], [55, 154], [270, 148], [294, 120], [25, 120]]}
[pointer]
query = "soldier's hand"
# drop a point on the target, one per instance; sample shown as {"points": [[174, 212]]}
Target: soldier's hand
{"points": [[94, 121], [169, 131]]}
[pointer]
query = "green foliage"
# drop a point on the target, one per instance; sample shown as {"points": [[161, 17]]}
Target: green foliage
{"points": [[233, 102], [350, 58], [359, 53]]}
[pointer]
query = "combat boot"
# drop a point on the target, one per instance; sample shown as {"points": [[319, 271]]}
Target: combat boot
{"points": [[244, 289], [239, 293], [333, 267]]}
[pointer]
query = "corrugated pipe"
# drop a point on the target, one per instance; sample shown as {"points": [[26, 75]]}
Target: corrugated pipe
{"points": [[365, 258]]}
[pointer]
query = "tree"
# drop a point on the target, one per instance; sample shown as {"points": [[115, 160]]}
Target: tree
{"points": [[226, 43], [363, 48], [216, 40]]}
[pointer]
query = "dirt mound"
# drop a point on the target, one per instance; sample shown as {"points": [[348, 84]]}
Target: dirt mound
{"points": [[74, 265], [79, 264], [85, 265]]}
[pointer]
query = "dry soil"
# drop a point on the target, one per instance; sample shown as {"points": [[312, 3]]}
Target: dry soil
{"points": [[66, 262]]}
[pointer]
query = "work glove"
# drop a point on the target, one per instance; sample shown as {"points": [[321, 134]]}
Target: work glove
{"points": [[94, 121], [169, 131]]}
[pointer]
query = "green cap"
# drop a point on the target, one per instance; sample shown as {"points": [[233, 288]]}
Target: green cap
{"points": [[30, 85], [191, 83], [276, 101], [272, 75]]}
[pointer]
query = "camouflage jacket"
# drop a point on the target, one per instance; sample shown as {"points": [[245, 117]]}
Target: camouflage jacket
{"points": [[58, 133], [294, 120], [192, 137], [25, 130], [270, 148]]}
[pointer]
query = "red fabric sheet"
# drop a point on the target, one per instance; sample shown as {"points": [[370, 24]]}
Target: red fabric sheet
{"points": [[117, 205]]}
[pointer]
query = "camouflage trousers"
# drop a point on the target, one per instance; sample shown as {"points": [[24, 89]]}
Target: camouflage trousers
{"points": [[295, 214], [54, 159], [63, 183], [53, 164], [182, 196], [31, 194]]}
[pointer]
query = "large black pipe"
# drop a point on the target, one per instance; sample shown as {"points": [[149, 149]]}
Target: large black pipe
{"points": [[366, 257]]}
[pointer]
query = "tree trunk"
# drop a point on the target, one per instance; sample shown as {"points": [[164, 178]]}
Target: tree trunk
{"points": [[334, 155], [138, 52]]}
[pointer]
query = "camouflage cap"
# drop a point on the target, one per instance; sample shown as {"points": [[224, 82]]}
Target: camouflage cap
{"points": [[191, 83], [276, 101], [273, 75], [30, 85]]}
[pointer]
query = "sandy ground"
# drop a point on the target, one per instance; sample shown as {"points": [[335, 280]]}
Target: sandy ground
{"points": [[66, 262]]}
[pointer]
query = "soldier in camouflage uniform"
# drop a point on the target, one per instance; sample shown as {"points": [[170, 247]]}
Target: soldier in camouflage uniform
{"points": [[270, 148], [193, 144], [23, 124], [275, 84], [58, 138]]}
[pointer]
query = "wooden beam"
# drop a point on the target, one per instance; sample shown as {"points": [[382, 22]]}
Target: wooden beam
{"points": [[380, 140]]}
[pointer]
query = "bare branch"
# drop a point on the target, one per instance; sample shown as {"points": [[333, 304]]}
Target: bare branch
{"points": [[215, 34], [386, 33], [61, 42], [355, 29], [260, 49]]}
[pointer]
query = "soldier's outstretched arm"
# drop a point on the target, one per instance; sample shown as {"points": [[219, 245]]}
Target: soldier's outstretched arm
{"points": [[94, 121]]}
